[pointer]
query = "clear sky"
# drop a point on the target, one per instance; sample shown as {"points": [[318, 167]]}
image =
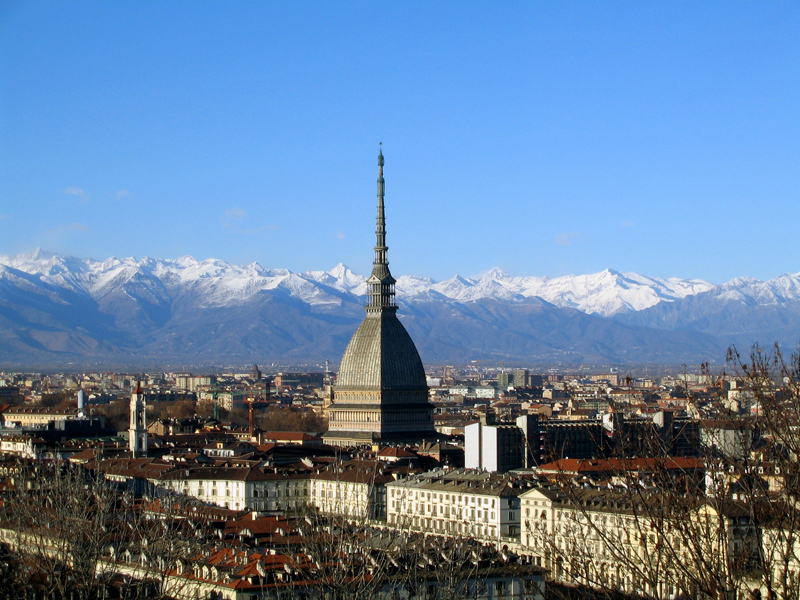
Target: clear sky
{"points": [[545, 138]]}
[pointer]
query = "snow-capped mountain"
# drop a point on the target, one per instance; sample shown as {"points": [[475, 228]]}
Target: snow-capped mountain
{"points": [[223, 284], [52, 305], [784, 288], [606, 293], [217, 282], [745, 310]]}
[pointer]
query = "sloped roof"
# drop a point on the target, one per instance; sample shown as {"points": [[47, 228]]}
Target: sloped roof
{"points": [[147, 468], [601, 465], [297, 436], [40, 410], [222, 473], [359, 471], [381, 356], [390, 451]]}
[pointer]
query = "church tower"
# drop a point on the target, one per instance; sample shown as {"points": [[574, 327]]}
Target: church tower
{"points": [[137, 431], [381, 392]]}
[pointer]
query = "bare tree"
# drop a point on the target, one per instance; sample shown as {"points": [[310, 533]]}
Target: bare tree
{"points": [[58, 522], [70, 533], [655, 528]]}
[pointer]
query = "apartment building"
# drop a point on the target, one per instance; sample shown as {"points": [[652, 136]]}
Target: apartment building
{"points": [[23, 446], [495, 448], [27, 416], [194, 383], [626, 542], [461, 502], [354, 489], [240, 488]]}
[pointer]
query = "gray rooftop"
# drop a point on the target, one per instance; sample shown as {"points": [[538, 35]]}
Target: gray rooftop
{"points": [[381, 356]]}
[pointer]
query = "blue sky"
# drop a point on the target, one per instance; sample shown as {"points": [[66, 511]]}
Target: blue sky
{"points": [[545, 138]]}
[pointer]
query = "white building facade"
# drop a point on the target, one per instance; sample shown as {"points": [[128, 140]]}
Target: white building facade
{"points": [[459, 503]]}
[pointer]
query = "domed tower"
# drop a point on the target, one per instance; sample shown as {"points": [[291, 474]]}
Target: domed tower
{"points": [[381, 393]]}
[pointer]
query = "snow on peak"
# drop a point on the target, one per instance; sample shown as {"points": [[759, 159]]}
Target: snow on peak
{"points": [[220, 283], [751, 291], [411, 285], [494, 273], [340, 278], [339, 271], [345, 277], [610, 292]]}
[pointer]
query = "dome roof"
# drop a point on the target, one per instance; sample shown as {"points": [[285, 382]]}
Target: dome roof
{"points": [[381, 356]]}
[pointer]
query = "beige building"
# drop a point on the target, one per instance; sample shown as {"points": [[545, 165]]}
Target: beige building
{"points": [[609, 540], [353, 488], [462, 503], [23, 446], [194, 383], [240, 488], [27, 416]]}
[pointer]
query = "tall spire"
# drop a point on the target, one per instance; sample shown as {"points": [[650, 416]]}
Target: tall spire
{"points": [[381, 283], [380, 225]]}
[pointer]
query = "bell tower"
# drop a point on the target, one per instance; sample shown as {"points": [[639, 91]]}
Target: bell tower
{"points": [[137, 431]]}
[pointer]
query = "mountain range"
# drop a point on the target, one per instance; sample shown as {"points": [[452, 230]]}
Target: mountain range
{"points": [[60, 311]]}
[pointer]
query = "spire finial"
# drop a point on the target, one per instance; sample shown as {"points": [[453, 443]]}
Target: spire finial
{"points": [[380, 245], [381, 282]]}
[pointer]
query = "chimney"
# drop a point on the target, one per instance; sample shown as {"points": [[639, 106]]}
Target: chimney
{"points": [[487, 417]]}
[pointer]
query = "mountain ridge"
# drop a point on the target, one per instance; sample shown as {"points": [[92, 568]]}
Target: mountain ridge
{"points": [[605, 293], [60, 308]]}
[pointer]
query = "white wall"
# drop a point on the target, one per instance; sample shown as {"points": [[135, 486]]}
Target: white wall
{"points": [[472, 446], [489, 448]]}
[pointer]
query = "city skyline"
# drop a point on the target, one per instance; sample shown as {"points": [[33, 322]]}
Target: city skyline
{"points": [[545, 140]]}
